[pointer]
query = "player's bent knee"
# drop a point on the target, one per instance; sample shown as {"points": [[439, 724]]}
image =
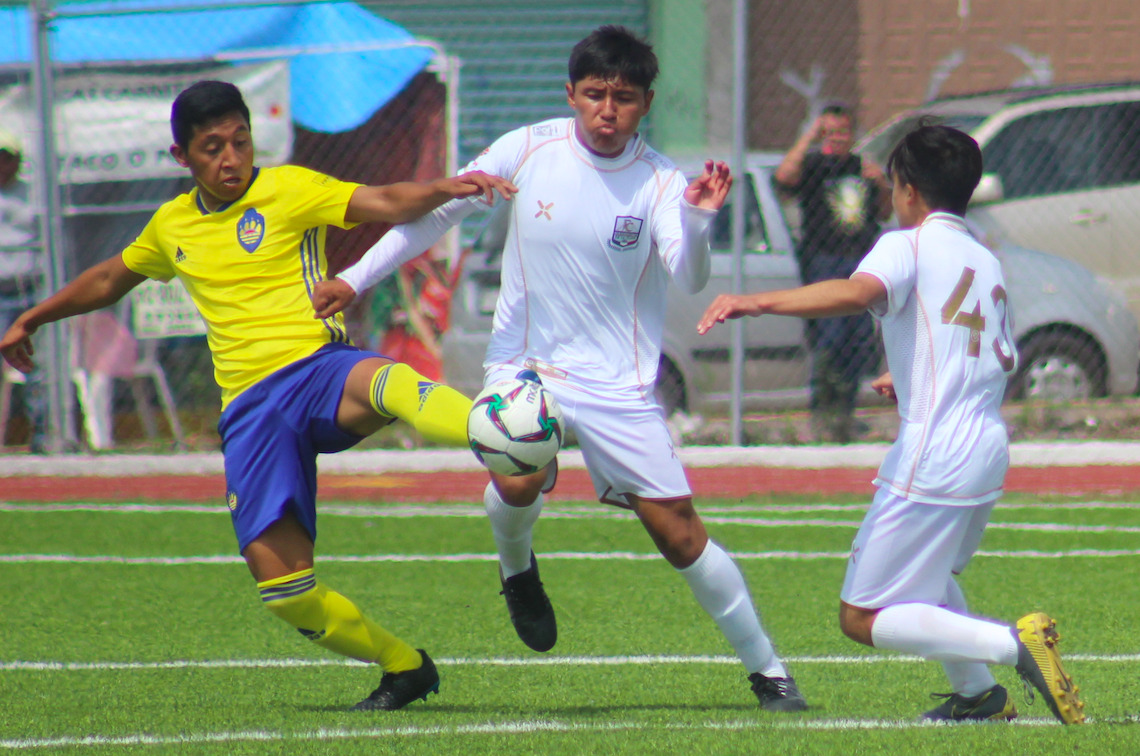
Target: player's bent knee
{"points": [[356, 413], [437, 412], [856, 623], [519, 490], [296, 599]]}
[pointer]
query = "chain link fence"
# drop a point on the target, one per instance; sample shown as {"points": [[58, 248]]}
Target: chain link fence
{"points": [[411, 90]]}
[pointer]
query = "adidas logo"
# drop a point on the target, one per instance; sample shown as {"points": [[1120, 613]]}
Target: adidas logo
{"points": [[425, 388], [179, 256]]}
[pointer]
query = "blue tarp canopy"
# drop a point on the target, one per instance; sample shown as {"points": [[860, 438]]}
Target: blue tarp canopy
{"points": [[360, 80]]}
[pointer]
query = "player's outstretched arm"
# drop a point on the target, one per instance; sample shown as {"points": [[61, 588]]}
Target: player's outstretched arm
{"points": [[818, 300], [405, 201], [730, 307], [95, 288], [401, 244]]}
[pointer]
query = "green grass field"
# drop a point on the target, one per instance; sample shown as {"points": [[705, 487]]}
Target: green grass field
{"points": [[135, 629]]}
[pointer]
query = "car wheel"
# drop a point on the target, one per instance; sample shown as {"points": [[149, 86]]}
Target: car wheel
{"points": [[670, 388], [1059, 366]]}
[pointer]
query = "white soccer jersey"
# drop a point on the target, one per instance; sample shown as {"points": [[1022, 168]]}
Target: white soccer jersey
{"points": [[590, 249], [947, 331]]}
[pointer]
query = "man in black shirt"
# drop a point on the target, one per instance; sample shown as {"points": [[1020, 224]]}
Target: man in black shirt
{"points": [[842, 198]]}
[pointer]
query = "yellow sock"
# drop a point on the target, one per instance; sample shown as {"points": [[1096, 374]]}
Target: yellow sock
{"points": [[437, 412], [329, 619]]}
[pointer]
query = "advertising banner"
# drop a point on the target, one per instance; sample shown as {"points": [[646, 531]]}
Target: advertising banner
{"points": [[116, 126]]}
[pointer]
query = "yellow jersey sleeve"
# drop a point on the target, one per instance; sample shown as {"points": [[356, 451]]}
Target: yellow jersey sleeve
{"points": [[145, 257], [316, 199]]}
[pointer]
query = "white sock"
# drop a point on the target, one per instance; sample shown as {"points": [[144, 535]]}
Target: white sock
{"points": [[720, 590], [511, 527], [941, 635], [966, 678]]}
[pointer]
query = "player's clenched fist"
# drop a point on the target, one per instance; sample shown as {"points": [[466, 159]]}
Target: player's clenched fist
{"points": [[330, 297]]}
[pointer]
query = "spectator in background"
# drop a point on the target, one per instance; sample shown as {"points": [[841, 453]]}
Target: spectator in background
{"points": [[842, 198], [21, 271]]}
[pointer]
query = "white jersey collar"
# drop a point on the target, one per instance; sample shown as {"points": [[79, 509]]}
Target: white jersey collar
{"points": [[946, 219], [632, 151]]}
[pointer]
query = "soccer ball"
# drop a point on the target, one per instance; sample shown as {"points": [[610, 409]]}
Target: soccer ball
{"points": [[515, 427]]}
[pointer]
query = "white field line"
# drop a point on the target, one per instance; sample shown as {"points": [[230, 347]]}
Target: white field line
{"points": [[556, 509], [629, 556], [461, 661], [477, 512], [504, 728]]}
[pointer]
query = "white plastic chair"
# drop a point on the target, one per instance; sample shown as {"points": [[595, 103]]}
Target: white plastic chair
{"points": [[105, 351]]}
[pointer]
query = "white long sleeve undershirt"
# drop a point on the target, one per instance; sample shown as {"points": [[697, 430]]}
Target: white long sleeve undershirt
{"points": [[689, 266], [404, 243]]}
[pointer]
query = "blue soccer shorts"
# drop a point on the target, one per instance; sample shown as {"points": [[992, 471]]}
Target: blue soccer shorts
{"points": [[271, 435]]}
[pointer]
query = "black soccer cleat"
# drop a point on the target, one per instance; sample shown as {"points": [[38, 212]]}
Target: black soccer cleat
{"points": [[398, 689], [530, 609], [777, 693], [993, 703]]}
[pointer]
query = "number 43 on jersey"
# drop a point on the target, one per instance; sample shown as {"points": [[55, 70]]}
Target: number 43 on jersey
{"points": [[975, 320]]}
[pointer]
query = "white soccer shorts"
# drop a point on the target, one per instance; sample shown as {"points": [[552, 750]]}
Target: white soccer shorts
{"points": [[623, 439], [906, 552]]}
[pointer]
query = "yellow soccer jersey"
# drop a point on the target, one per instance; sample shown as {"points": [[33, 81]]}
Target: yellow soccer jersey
{"points": [[250, 267]]}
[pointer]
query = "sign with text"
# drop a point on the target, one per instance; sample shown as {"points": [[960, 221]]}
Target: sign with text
{"points": [[162, 310], [116, 126]]}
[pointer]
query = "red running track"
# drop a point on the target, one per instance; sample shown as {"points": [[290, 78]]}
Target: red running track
{"points": [[720, 482]]}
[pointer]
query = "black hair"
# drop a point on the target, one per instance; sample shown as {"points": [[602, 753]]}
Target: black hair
{"points": [[202, 102], [943, 164], [837, 108], [840, 109], [614, 53]]}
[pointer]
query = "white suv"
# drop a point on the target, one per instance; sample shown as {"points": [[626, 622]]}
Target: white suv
{"points": [[1062, 170]]}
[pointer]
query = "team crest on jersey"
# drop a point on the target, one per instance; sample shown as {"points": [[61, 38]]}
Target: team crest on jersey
{"points": [[250, 229], [627, 229]]}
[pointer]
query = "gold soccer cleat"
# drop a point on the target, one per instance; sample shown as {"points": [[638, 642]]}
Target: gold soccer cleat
{"points": [[1039, 665]]}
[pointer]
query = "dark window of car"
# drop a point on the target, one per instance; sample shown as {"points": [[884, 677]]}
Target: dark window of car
{"points": [[1064, 150], [755, 237], [1121, 163]]}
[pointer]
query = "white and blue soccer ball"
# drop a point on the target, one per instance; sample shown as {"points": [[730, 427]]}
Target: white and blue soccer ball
{"points": [[515, 427]]}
